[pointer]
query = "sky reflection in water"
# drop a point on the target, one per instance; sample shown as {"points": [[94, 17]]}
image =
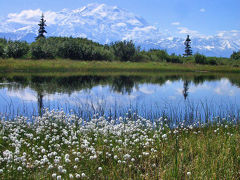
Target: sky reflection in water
{"points": [[147, 99]]}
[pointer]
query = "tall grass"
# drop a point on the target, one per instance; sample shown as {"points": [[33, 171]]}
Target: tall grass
{"points": [[60, 65], [60, 146], [186, 112]]}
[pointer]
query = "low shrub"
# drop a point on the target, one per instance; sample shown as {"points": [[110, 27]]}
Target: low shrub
{"points": [[158, 55], [235, 55], [41, 50], [124, 50], [200, 59], [174, 59], [16, 49], [212, 61], [1, 50], [142, 57]]}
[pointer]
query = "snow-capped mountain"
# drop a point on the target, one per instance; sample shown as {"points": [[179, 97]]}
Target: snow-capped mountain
{"points": [[104, 24], [213, 46]]}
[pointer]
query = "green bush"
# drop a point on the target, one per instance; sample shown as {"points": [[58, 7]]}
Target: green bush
{"points": [[235, 55], [158, 55], [1, 50], [200, 59], [41, 49], [70, 49], [174, 59], [79, 49], [124, 50], [101, 53], [212, 61], [141, 57], [154, 57], [16, 49], [188, 59]]}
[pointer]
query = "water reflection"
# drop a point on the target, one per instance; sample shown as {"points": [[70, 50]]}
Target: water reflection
{"points": [[88, 94], [185, 89]]}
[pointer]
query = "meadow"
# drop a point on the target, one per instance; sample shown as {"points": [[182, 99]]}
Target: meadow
{"points": [[64, 146], [58, 146], [66, 65]]}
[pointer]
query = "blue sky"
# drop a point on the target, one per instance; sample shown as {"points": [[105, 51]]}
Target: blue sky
{"points": [[206, 17]]}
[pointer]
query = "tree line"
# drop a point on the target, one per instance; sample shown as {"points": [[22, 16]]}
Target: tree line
{"points": [[84, 49]]}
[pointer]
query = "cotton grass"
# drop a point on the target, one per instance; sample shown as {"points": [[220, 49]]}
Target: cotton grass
{"points": [[61, 146]]}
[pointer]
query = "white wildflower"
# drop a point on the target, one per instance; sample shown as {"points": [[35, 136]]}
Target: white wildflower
{"points": [[54, 175], [77, 176], [71, 176]]}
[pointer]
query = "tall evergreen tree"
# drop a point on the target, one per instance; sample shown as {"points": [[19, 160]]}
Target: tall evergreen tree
{"points": [[41, 30], [188, 50]]}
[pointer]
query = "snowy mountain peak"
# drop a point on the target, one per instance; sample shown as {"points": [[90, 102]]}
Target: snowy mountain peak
{"points": [[104, 24]]}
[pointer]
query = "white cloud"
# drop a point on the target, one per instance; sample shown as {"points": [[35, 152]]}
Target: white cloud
{"points": [[179, 91], [235, 31], [185, 30], [192, 33], [31, 17], [172, 97], [209, 47], [146, 90], [175, 23], [25, 95], [202, 10], [25, 28], [232, 34], [170, 38], [25, 17], [51, 17], [225, 88], [119, 25], [220, 34], [140, 32], [168, 82], [199, 88], [134, 22]]}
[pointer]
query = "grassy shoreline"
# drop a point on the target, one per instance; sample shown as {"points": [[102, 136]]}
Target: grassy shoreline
{"points": [[61, 146], [35, 66]]}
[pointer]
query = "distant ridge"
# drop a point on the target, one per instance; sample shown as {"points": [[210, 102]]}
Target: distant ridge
{"points": [[104, 24]]}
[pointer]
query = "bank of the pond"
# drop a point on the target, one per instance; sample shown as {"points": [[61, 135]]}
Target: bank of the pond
{"points": [[34, 66], [61, 146]]}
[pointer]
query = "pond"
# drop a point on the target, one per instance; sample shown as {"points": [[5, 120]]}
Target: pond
{"points": [[179, 97]]}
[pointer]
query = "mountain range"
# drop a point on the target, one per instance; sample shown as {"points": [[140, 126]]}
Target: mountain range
{"points": [[105, 24]]}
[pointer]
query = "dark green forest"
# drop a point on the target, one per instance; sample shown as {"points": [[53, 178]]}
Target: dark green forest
{"points": [[86, 50]]}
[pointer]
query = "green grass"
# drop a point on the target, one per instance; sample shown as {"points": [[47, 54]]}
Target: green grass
{"points": [[208, 152], [126, 151], [10, 65]]}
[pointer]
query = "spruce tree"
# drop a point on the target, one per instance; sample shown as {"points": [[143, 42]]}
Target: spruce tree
{"points": [[188, 50], [41, 30]]}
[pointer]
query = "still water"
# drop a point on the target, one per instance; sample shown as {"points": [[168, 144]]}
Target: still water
{"points": [[176, 96]]}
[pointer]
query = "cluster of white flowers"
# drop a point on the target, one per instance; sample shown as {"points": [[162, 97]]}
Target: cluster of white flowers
{"points": [[63, 145]]}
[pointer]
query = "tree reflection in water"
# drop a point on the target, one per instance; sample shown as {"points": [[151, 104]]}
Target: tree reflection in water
{"points": [[185, 89], [45, 85]]}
